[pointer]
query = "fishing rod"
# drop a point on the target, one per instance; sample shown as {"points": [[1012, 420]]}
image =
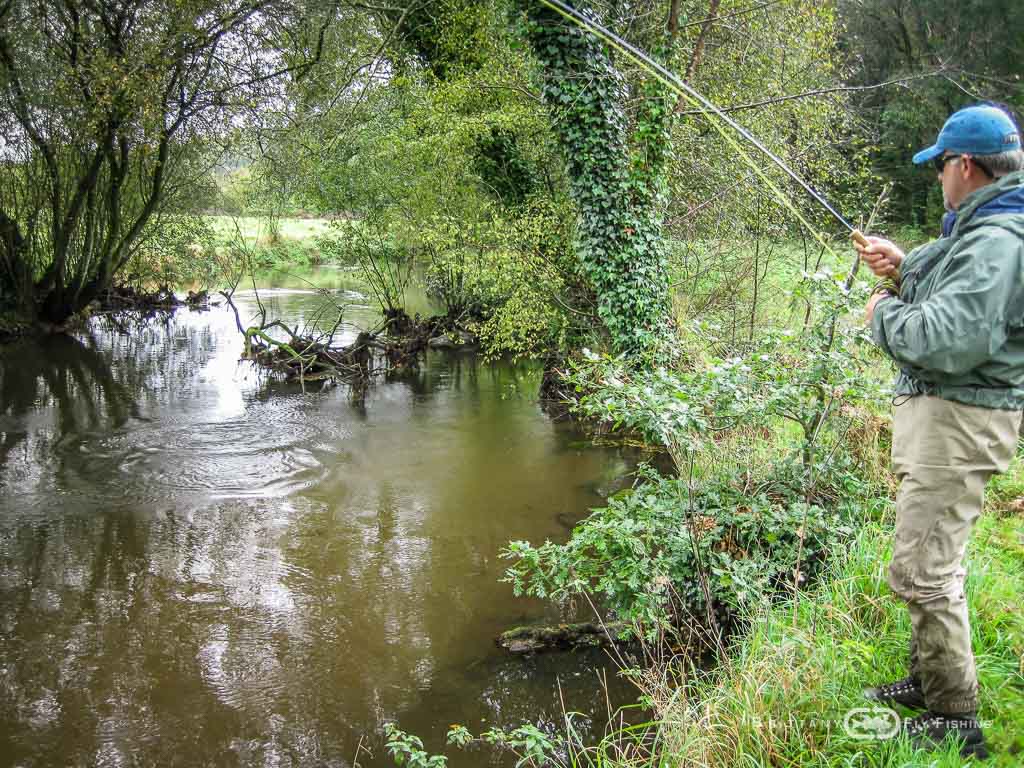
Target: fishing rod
{"points": [[672, 81]]}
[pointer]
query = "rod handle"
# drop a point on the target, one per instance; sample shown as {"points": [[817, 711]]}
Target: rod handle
{"points": [[858, 237]]}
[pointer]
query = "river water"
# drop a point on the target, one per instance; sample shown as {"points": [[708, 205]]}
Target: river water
{"points": [[199, 566]]}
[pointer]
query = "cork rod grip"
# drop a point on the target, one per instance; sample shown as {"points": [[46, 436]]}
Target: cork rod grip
{"points": [[859, 239]]}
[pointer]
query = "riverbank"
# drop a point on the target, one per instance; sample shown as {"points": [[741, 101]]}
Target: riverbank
{"points": [[787, 693]]}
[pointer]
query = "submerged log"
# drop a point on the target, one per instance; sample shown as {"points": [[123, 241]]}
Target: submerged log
{"points": [[560, 637], [393, 347]]}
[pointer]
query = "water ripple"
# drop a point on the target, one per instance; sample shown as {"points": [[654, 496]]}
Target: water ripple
{"points": [[266, 456]]}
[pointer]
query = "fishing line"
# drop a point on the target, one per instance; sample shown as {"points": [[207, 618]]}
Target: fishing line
{"points": [[706, 108]]}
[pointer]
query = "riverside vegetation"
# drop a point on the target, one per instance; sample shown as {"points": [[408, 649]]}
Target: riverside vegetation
{"points": [[556, 203], [768, 550]]}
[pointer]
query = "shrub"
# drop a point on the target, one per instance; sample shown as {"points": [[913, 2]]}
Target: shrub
{"points": [[758, 502]]}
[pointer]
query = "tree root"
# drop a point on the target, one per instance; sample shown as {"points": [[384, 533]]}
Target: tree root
{"points": [[392, 347], [304, 359]]}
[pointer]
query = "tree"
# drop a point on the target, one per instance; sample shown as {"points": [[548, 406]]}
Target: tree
{"points": [[960, 53], [107, 111], [617, 179], [448, 161]]}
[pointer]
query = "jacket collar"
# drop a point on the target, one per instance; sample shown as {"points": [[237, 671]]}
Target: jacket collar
{"points": [[979, 199]]}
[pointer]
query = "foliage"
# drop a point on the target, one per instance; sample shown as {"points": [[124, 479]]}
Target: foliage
{"points": [[741, 518], [529, 743], [386, 270], [107, 114], [448, 37], [180, 250], [634, 744], [492, 238], [664, 553], [540, 302], [806, 374], [407, 750], [774, 69], [590, 154], [619, 194], [457, 252], [953, 54]]}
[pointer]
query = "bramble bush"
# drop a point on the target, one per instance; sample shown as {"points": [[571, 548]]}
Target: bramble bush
{"points": [[757, 503], [647, 553]]}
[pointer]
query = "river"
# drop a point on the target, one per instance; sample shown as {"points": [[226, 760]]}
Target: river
{"points": [[199, 566]]}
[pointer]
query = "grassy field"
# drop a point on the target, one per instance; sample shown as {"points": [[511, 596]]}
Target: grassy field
{"points": [[255, 229], [298, 242], [784, 695]]}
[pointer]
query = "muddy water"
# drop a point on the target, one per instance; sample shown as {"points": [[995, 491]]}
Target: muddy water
{"points": [[201, 567]]}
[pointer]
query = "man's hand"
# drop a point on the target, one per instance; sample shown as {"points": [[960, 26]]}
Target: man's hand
{"points": [[869, 310], [882, 256]]}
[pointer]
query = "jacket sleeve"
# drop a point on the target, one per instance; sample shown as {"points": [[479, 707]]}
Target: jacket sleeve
{"points": [[967, 318]]}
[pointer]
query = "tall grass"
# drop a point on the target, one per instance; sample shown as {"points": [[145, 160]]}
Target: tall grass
{"points": [[782, 697]]}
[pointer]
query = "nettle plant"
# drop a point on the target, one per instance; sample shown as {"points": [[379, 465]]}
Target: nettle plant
{"points": [[770, 447], [531, 745]]}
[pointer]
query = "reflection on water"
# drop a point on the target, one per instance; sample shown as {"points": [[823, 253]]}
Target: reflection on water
{"points": [[196, 567]]}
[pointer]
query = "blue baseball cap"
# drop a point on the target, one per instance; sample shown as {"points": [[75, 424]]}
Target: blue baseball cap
{"points": [[980, 130]]}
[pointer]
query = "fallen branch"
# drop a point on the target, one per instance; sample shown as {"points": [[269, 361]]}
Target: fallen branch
{"points": [[560, 637]]}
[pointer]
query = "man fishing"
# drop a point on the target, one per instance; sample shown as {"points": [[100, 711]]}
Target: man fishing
{"points": [[951, 315]]}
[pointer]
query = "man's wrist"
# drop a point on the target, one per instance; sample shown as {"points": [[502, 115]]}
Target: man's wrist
{"points": [[887, 286]]}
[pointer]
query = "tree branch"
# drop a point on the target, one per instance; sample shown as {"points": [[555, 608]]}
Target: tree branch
{"points": [[820, 92], [734, 14], [698, 47]]}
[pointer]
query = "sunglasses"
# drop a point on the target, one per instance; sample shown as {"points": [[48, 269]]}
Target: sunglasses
{"points": [[940, 163]]}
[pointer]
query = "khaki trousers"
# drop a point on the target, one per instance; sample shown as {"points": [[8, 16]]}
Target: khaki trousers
{"points": [[943, 454]]}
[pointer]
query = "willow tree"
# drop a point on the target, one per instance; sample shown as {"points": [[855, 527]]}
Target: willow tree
{"points": [[103, 106], [616, 166]]}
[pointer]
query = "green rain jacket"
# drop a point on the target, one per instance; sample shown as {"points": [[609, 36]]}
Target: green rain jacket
{"points": [[957, 329]]}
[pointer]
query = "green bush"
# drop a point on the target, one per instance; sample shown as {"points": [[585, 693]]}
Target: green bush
{"points": [[663, 552], [757, 502]]}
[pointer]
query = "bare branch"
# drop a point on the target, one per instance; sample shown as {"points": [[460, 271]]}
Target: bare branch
{"points": [[821, 92]]}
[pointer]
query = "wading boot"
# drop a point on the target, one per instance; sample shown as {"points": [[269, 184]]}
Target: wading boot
{"points": [[929, 730], [907, 692]]}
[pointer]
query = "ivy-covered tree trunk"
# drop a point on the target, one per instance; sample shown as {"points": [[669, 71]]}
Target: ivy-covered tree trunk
{"points": [[618, 185]]}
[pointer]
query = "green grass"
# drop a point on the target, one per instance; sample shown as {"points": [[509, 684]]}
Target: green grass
{"points": [[254, 229], [781, 698], [297, 243]]}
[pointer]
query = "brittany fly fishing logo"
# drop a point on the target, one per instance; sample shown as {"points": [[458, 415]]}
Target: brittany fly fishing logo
{"points": [[871, 723]]}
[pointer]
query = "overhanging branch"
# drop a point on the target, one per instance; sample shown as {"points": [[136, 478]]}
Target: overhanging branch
{"points": [[821, 92]]}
